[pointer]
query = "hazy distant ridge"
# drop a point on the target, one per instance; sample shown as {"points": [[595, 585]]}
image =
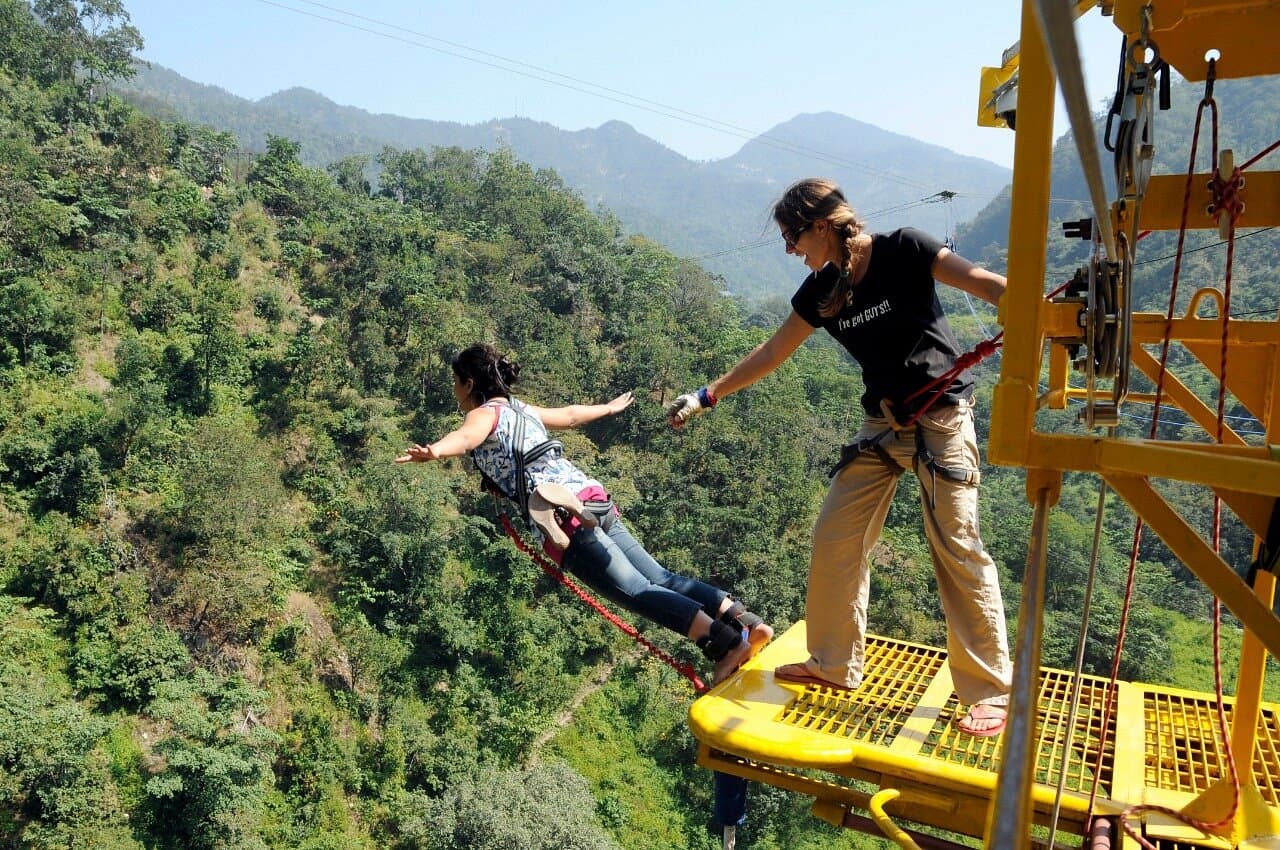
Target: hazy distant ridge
{"points": [[695, 208]]}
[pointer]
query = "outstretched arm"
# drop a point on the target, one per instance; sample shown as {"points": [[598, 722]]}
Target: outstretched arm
{"points": [[474, 431], [574, 415], [954, 270], [762, 360]]}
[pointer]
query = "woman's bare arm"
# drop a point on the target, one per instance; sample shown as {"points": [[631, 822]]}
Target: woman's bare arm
{"points": [[954, 270], [475, 429], [576, 415]]}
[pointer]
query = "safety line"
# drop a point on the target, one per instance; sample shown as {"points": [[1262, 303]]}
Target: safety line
{"points": [[683, 668]]}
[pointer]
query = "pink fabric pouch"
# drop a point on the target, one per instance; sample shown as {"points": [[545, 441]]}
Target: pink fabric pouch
{"points": [[593, 493]]}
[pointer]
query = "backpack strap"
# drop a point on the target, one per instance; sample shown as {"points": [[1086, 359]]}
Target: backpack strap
{"points": [[521, 459]]}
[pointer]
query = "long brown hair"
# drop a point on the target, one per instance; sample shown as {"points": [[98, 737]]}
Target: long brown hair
{"points": [[810, 200]]}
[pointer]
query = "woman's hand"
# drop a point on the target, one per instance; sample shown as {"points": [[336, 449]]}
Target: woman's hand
{"points": [[417, 454], [620, 403]]}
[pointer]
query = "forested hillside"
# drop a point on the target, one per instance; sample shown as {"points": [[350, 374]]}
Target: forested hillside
{"points": [[716, 210], [227, 620]]}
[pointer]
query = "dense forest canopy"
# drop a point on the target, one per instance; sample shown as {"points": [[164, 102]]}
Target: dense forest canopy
{"points": [[227, 620]]}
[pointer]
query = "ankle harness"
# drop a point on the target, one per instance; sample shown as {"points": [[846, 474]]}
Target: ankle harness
{"points": [[739, 617], [719, 641]]}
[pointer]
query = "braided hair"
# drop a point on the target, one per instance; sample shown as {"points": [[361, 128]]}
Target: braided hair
{"points": [[491, 374], [813, 199]]}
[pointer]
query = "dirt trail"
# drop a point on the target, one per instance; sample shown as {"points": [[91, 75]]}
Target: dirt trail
{"points": [[594, 682]]}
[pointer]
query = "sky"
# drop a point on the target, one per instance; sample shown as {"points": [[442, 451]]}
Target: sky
{"points": [[699, 77]]}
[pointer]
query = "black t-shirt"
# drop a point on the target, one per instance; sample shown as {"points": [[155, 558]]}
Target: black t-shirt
{"points": [[893, 325]]}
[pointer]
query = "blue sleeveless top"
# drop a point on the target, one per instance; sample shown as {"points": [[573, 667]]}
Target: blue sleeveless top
{"points": [[495, 457]]}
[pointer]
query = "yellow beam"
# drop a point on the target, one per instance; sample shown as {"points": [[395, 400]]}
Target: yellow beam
{"points": [[1148, 329], [1062, 322], [1187, 401], [1020, 307], [1191, 549], [1253, 665], [1242, 31], [1253, 510], [1249, 374], [1162, 204], [1248, 469]]}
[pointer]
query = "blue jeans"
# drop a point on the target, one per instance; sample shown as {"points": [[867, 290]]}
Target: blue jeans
{"points": [[616, 566]]}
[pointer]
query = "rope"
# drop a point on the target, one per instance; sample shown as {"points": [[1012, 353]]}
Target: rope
{"points": [[1226, 202], [683, 668], [968, 359], [1265, 151], [1086, 614]]}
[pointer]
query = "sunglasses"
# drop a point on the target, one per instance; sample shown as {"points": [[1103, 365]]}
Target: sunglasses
{"points": [[790, 238]]}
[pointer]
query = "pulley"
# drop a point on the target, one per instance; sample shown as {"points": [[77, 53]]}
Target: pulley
{"points": [[1099, 352]]}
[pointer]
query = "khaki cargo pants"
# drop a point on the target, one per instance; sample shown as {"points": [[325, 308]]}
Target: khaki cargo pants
{"points": [[850, 522]]}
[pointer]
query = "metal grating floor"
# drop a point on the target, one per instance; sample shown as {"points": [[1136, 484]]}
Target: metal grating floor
{"points": [[897, 677], [898, 729], [1182, 748], [946, 743]]}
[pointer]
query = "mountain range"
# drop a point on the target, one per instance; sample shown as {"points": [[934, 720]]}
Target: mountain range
{"points": [[717, 211]]}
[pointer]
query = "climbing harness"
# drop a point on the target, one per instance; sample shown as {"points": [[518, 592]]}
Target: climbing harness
{"points": [[522, 460], [873, 446], [550, 505]]}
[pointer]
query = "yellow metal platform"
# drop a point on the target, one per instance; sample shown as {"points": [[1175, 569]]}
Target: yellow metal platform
{"points": [[897, 731]]}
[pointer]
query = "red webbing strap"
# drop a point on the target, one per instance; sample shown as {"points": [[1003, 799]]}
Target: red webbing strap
{"points": [[980, 352], [556, 573]]}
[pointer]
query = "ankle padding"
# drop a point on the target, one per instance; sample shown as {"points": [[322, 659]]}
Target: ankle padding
{"points": [[720, 640], [738, 615]]}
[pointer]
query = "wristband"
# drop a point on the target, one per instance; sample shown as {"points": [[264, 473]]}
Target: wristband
{"points": [[706, 399]]}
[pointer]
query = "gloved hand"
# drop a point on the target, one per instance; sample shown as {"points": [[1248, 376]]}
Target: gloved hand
{"points": [[689, 405]]}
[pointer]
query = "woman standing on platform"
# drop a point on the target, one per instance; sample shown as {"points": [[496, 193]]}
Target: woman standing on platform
{"points": [[875, 294]]}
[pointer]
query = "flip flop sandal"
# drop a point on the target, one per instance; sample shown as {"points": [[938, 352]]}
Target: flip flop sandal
{"points": [[989, 732], [807, 678]]}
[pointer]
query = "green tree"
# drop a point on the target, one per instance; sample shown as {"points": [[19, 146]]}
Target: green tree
{"points": [[217, 758], [21, 39], [548, 808], [349, 174], [90, 36], [36, 327]]}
